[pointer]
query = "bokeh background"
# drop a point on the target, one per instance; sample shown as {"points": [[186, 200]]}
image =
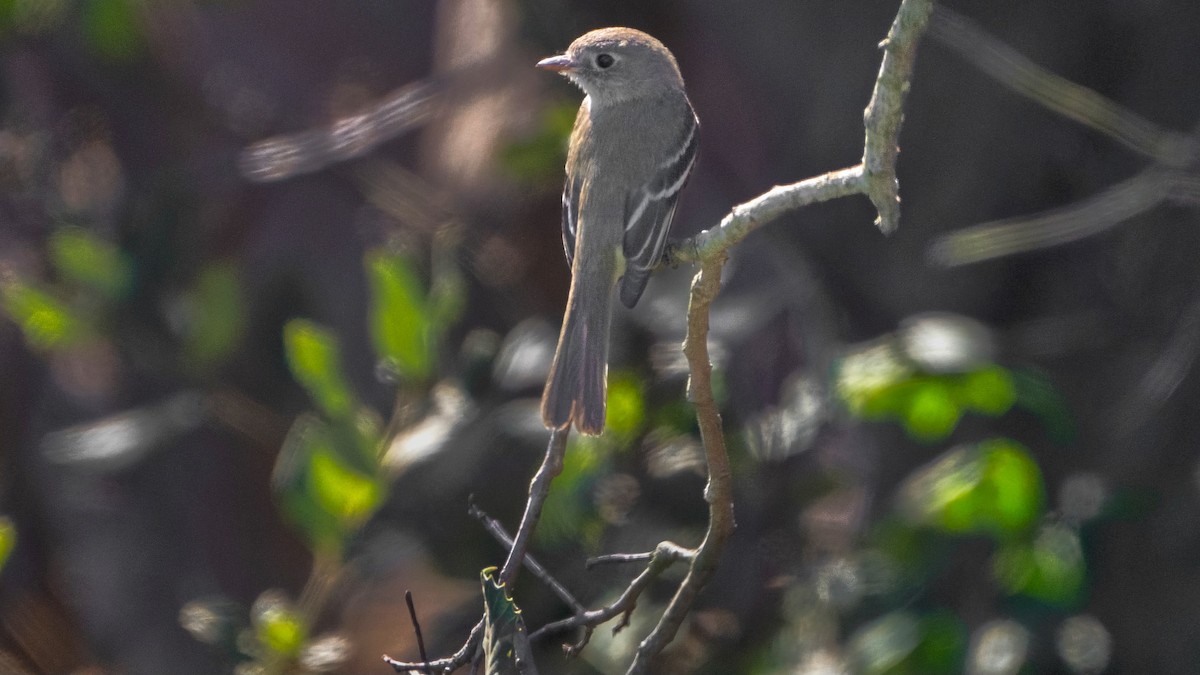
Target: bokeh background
{"points": [[245, 399]]}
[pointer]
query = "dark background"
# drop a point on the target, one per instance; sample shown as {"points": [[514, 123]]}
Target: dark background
{"points": [[127, 118]]}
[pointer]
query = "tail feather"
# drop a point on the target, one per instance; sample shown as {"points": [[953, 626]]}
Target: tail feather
{"points": [[577, 387]]}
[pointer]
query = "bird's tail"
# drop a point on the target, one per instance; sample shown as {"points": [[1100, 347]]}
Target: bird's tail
{"points": [[578, 382]]}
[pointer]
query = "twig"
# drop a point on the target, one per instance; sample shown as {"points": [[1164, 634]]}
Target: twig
{"points": [[1162, 181], [618, 558], [665, 555], [1058, 226], [1008, 67], [446, 665], [412, 612], [539, 487], [749, 216], [497, 530], [407, 108]]}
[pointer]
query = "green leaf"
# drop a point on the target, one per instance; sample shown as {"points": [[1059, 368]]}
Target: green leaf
{"points": [[932, 412], [506, 645], [989, 391], [1014, 496], [326, 486], [626, 411], [315, 362], [943, 645], [401, 323], [1051, 568], [865, 381], [216, 315], [902, 643], [349, 496], [82, 257], [46, 322], [277, 625], [994, 488], [8, 539]]}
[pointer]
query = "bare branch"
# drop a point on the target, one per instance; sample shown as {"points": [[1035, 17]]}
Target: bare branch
{"points": [[285, 156], [719, 491], [875, 177], [1059, 226], [676, 552], [665, 555], [497, 530], [412, 613], [539, 487], [446, 665], [1010, 68], [749, 216], [885, 112]]}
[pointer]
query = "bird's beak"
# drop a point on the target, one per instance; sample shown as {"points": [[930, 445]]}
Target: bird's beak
{"points": [[559, 64]]}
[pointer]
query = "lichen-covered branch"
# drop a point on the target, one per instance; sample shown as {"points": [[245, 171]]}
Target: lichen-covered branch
{"points": [[885, 112], [875, 177], [719, 491]]}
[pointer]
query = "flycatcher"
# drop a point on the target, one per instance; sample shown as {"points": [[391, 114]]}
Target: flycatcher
{"points": [[630, 153]]}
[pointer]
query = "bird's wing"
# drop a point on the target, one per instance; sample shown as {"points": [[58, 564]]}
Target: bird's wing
{"points": [[648, 213], [570, 215]]}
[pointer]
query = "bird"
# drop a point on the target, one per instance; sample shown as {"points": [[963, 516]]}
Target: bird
{"points": [[630, 153]]}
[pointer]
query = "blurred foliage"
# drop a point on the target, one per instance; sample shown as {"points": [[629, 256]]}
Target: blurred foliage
{"points": [[314, 358], [539, 159], [278, 629], [90, 261], [46, 322], [626, 412], [8, 539], [877, 384], [402, 321], [214, 316], [1037, 394], [113, 28], [1050, 567], [327, 478], [506, 647], [569, 513], [904, 643], [994, 487]]}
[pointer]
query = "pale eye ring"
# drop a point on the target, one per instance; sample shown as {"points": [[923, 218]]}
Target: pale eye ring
{"points": [[604, 60]]}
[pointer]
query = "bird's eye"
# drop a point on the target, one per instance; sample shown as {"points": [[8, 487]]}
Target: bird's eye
{"points": [[605, 60]]}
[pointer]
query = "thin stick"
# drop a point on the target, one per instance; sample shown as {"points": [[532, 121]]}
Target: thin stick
{"points": [[412, 612], [497, 530], [539, 488], [719, 491]]}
